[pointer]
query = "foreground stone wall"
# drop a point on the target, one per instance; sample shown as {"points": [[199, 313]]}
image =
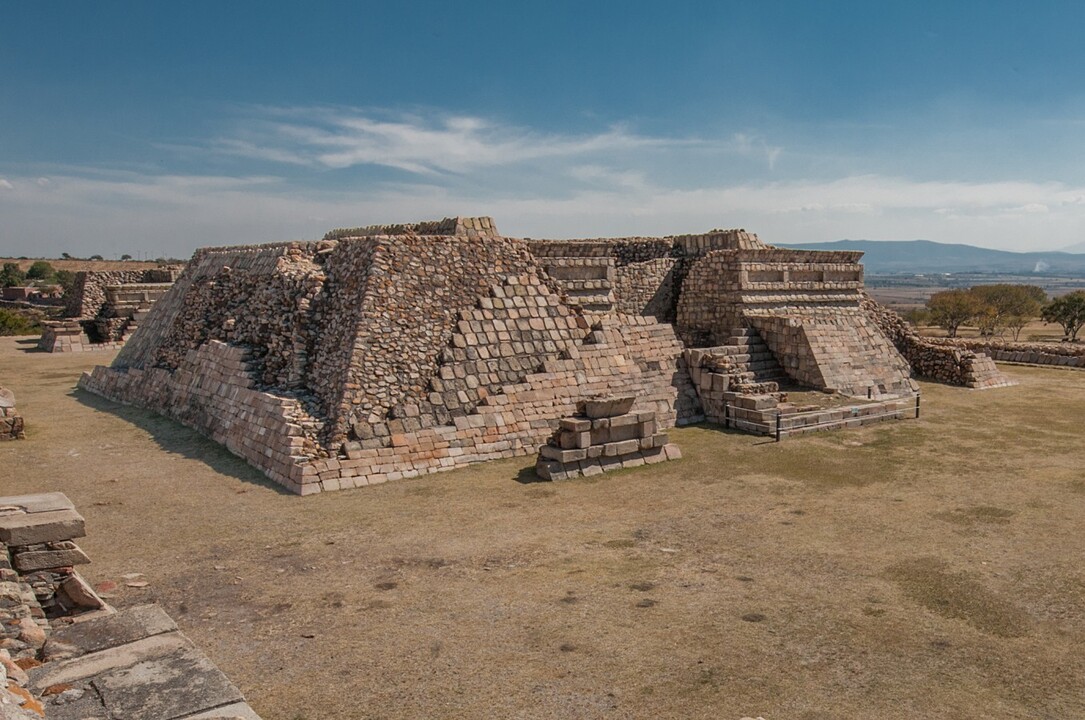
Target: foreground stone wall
{"points": [[66, 654]]}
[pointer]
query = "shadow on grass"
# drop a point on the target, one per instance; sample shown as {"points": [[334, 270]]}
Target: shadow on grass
{"points": [[29, 345], [713, 427], [175, 438], [527, 476]]}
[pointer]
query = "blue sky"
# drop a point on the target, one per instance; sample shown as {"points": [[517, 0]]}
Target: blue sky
{"points": [[155, 128]]}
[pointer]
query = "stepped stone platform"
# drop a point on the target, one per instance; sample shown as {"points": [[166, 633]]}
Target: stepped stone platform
{"points": [[606, 436], [105, 308], [389, 351], [67, 655]]}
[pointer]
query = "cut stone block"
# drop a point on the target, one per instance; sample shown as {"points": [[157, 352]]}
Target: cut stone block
{"points": [[166, 688], [30, 560], [41, 527], [122, 628], [608, 407]]}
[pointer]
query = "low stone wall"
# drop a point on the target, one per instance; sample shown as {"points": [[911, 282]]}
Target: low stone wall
{"points": [[68, 336], [1060, 354], [933, 360]]}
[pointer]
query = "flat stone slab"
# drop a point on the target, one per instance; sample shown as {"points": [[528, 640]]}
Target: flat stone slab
{"points": [[43, 559], [105, 661], [31, 528], [36, 503], [164, 688], [126, 626]]}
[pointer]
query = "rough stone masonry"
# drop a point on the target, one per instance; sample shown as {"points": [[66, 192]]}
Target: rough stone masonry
{"points": [[387, 352]]}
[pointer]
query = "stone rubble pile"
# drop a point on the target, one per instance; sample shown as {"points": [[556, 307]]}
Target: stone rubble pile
{"points": [[605, 436], [11, 422], [67, 655]]}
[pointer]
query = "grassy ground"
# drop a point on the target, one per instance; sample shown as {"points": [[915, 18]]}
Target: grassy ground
{"points": [[925, 568], [79, 265]]}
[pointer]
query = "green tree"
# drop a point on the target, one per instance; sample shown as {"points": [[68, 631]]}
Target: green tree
{"points": [[950, 309], [96, 257], [1067, 311], [126, 256], [12, 323], [11, 275], [918, 316], [1007, 306], [41, 270], [66, 280]]}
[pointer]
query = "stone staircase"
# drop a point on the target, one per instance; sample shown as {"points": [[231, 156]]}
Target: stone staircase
{"points": [[748, 360], [588, 282]]}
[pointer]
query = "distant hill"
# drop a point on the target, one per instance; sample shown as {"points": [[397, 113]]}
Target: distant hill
{"points": [[1075, 248], [924, 256]]}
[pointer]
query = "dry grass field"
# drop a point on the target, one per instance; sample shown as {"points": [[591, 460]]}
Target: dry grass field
{"points": [[78, 265], [921, 569]]}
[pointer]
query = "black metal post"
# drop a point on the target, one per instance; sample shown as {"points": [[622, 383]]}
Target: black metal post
{"points": [[777, 426], [726, 418], [917, 406]]}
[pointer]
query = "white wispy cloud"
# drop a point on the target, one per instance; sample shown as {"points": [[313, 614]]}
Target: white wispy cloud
{"points": [[418, 144], [5, 185]]}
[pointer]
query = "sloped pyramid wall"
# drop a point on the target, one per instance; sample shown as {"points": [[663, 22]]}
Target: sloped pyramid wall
{"points": [[371, 356], [840, 350]]}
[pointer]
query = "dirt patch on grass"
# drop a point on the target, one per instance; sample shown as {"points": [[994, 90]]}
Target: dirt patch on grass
{"points": [[960, 596]]}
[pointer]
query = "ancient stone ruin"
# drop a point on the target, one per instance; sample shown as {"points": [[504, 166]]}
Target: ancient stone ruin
{"points": [[105, 308], [66, 654], [387, 352], [11, 422]]}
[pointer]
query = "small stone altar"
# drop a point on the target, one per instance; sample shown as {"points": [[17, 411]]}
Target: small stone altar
{"points": [[11, 423], [604, 436]]}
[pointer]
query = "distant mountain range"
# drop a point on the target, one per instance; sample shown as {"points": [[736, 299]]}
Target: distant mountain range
{"points": [[924, 256]]}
